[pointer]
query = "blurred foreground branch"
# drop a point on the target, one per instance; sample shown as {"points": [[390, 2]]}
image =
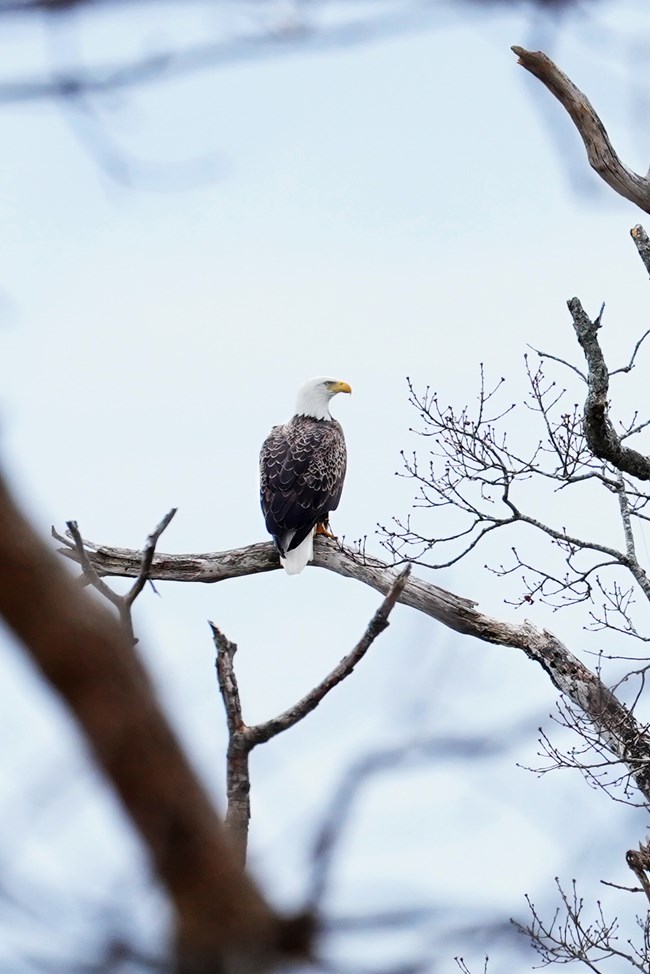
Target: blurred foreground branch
{"points": [[88, 658]]}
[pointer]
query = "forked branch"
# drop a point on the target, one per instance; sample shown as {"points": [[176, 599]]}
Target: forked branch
{"points": [[242, 738], [123, 603]]}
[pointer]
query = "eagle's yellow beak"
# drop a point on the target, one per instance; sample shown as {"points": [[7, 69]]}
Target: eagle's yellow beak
{"points": [[341, 387]]}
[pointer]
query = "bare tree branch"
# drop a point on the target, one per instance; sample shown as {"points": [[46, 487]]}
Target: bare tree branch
{"points": [[600, 152], [216, 566], [620, 732]]}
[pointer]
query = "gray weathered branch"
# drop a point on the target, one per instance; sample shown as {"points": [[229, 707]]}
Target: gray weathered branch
{"points": [[620, 732], [602, 439], [216, 566], [600, 152]]}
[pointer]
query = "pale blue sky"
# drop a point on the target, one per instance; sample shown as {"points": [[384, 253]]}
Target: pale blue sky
{"points": [[397, 208]]}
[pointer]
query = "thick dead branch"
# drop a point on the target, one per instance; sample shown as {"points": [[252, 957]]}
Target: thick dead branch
{"points": [[600, 152], [602, 439], [620, 732], [216, 566], [242, 738], [88, 659]]}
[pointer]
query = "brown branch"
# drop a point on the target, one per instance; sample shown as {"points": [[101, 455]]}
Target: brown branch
{"points": [[86, 657], [620, 732], [242, 739], [600, 152]]}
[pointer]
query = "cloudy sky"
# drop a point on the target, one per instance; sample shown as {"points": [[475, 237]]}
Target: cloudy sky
{"points": [[413, 205]]}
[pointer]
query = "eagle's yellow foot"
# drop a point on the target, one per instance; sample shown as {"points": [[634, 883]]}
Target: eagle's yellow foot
{"points": [[324, 530]]}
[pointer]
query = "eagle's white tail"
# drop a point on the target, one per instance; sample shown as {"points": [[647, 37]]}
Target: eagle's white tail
{"points": [[294, 561]]}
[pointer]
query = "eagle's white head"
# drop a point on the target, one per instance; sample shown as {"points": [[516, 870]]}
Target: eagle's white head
{"points": [[314, 397]]}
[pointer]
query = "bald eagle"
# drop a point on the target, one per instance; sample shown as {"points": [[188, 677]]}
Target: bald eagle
{"points": [[302, 467]]}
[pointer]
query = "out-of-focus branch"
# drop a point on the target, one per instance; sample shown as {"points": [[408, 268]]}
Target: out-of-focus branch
{"points": [[600, 152], [405, 755], [85, 655], [299, 32], [242, 738], [284, 30]]}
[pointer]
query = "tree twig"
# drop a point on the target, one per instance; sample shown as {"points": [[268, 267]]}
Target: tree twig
{"points": [[600, 152], [556, 358], [260, 733]]}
